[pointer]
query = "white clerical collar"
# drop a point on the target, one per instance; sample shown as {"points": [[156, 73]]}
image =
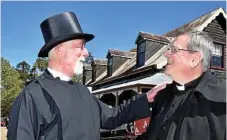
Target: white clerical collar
{"points": [[62, 76], [180, 87]]}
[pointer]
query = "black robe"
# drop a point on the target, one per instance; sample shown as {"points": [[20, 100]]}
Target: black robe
{"points": [[202, 116], [51, 109]]}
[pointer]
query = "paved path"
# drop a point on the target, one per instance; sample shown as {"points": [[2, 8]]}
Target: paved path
{"points": [[3, 133]]}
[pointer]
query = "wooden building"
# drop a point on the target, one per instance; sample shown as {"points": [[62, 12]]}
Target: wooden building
{"points": [[123, 74]]}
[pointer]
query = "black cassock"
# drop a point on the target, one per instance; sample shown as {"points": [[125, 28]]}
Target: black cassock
{"points": [[51, 109]]}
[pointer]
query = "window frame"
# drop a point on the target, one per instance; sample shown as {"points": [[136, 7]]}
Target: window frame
{"points": [[141, 49], [110, 66], [222, 55]]}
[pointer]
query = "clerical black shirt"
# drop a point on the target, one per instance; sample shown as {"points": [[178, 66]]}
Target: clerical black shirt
{"points": [[180, 94]]}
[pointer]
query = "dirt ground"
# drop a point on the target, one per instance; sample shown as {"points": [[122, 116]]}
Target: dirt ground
{"points": [[3, 133]]}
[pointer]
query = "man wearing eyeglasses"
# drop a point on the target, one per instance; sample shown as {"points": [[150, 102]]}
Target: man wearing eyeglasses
{"points": [[193, 107]]}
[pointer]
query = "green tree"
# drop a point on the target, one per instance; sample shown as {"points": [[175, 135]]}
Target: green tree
{"points": [[41, 64], [78, 78], [11, 86], [33, 73], [24, 69]]}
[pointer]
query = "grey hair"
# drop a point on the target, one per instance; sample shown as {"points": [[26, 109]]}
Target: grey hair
{"points": [[51, 53], [200, 41]]}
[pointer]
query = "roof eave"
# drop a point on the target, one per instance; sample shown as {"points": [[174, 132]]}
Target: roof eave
{"points": [[205, 24]]}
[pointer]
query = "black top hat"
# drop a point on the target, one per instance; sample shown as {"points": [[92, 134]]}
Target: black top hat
{"points": [[60, 28]]}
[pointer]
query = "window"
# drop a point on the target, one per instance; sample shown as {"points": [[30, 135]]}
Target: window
{"points": [[217, 57], [141, 54], [110, 64]]}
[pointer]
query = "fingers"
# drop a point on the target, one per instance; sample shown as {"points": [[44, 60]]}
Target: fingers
{"points": [[154, 91], [164, 83], [160, 86]]}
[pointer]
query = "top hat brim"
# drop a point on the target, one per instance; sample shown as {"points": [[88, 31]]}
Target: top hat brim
{"points": [[54, 42]]}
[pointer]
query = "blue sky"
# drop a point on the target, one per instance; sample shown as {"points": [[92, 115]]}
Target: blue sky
{"points": [[114, 24]]}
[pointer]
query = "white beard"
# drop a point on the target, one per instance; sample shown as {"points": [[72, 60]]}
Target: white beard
{"points": [[78, 68]]}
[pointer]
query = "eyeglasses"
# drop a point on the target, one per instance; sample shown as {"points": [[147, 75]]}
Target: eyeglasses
{"points": [[174, 49]]}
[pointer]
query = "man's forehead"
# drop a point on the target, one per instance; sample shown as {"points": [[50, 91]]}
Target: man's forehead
{"points": [[78, 41], [176, 44], [75, 42], [180, 41]]}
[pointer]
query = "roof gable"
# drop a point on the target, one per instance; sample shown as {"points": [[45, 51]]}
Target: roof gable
{"points": [[198, 24]]}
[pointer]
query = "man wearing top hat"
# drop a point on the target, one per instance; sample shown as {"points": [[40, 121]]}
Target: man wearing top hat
{"points": [[52, 107]]}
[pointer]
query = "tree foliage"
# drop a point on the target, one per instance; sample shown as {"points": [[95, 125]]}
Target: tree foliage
{"points": [[24, 69], [78, 78], [11, 86], [33, 73], [41, 64]]}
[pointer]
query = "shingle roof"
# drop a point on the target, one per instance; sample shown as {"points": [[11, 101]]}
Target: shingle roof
{"points": [[133, 49], [121, 53], [100, 61], [130, 65], [147, 35]]}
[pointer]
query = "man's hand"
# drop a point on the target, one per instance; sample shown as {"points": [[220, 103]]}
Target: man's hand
{"points": [[153, 92]]}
